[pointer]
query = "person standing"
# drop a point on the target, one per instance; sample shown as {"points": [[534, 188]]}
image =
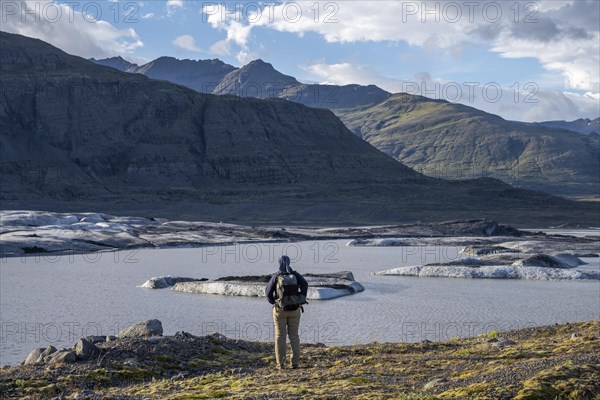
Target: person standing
{"points": [[287, 291]]}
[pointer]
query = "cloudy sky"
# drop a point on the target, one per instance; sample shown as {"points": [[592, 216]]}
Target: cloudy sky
{"points": [[524, 60]]}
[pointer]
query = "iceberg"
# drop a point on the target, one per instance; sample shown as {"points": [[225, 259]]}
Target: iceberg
{"points": [[162, 282], [491, 265], [376, 242], [493, 272], [561, 260], [321, 286]]}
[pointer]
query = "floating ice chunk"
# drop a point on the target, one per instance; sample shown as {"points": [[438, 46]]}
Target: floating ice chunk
{"points": [[562, 260], [166, 281], [321, 287], [93, 218], [482, 250], [252, 289], [111, 227], [376, 242], [493, 272], [222, 287]]}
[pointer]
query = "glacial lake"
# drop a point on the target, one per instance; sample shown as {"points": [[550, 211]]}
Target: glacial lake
{"points": [[58, 299]]}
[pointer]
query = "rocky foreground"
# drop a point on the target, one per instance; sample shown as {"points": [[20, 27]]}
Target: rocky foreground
{"points": [[555, 362]]}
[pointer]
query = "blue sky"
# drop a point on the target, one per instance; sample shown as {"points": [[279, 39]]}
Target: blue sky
{"points": [[546, 49]]}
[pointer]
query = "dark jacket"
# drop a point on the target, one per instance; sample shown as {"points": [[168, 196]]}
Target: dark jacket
{"points": [[284, 267]]}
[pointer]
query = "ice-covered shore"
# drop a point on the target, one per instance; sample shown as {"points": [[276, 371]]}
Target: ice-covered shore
{"points": [[321, 286], [35, 232], [497, 251]]}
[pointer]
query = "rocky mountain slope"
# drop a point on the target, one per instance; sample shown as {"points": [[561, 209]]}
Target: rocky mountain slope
{"points": [[453, 141], [256, 79], [259, 79], [202, 75], [92, 137], [437, 138], [117, 63]]}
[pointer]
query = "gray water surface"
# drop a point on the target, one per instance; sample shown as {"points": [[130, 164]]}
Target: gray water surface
{"points": [[56, 300]]}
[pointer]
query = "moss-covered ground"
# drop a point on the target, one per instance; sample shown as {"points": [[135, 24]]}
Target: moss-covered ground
{"points": [[556, 362]]}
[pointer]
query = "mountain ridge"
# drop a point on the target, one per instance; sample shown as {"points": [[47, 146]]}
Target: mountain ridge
{"points": [[469, 142], [118, 63], [260, 79], [164, 149], [526, 144], [266, 81]]}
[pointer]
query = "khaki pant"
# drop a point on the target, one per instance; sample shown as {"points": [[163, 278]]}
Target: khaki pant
{"points": [[286, 321]]}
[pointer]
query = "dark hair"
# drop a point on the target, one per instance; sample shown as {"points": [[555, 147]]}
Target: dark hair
{"points": [[284, 265], [284, 261]]}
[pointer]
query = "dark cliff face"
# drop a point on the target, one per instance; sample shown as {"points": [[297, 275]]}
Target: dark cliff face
{"points": [[79, 136], [109, 132]]}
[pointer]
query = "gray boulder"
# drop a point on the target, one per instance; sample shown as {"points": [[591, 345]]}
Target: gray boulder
{"points": [[503, 343], [85, 349], [434, 382], [47, 351], [96, 339], [33, 356], [148, 328], [63, 356], [39, 355]]}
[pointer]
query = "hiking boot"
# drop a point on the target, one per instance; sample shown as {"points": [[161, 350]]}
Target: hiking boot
{"points": [[295, 367]]}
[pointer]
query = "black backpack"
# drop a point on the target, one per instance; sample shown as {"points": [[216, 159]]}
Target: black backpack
{"points": [[287, 292]]}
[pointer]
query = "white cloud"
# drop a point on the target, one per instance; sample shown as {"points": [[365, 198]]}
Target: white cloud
{"points": [[347, 73], [528, 104], [238, 33], [365, 21], [69, 30], [562, 34], [148, 16], [172, 6], [576, 59], [220, 48], [565, 106], [186, 42], [174, 3]]}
